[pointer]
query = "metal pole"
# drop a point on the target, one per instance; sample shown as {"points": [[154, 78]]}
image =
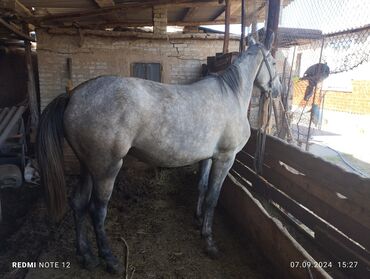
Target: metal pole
{"points": [[322, 110], [273, 23], [313, 100], [285, 101]]}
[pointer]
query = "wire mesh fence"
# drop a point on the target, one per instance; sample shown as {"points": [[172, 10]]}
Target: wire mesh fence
{"points": [[325, 45]]}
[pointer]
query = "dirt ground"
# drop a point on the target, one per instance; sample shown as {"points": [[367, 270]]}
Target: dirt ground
{"points": [[152, 211]]}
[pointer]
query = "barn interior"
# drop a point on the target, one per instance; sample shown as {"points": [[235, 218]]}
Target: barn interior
{"points": [[297, 218]]}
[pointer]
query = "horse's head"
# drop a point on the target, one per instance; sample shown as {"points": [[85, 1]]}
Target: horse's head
{"points": [[267, 78]]}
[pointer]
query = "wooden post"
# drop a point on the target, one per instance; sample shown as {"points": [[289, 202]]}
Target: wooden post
{"points": [[69, 86], [242, 36], [31, 87], [273, 23], [227, 27], [254, 22]]}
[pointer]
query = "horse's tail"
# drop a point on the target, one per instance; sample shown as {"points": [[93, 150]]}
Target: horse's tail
{"points": [[49, 153]]}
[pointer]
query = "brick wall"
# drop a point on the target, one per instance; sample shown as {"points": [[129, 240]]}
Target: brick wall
{"points": [[357, 101], [181, 59]]}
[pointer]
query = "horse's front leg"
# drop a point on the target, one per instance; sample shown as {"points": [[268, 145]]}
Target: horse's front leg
{"points": [[204, 169], [220, 167], [103, 187]]}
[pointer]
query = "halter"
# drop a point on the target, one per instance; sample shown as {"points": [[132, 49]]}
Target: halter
{"points": [[262, 131], [264, 61]]}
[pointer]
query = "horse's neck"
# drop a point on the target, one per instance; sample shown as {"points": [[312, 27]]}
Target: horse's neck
{"points": [[240, 77], [248, 66]]}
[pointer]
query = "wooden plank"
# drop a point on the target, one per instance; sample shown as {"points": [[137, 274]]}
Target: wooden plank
{"points": [[128, 34], [345, 206], [267, 232], [104, 3], [59, 4], [327, 175], [234, 7], [352, 227], [269, 192], [3, 112], [16, 7], [128, 5], [264, 189], [336, 251], [4, 133], [6, 118], [278, 175], [331, 244], [13, 28], [309, 218], [189, 14]]}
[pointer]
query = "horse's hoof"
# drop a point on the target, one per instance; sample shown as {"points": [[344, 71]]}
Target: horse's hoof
{"points": [[211, 248], [89, 261], [112, 264], [115, 268], [198, 222], [212, 252]]}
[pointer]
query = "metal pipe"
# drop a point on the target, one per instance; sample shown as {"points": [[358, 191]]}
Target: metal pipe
{"points": [[313, 100]]}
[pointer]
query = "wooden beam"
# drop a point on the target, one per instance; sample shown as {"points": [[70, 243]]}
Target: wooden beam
{"points": [[267, 232], [234, 7], [189, 14], [128, 5], [13, 28], [102, 25], [273, 23], [31, 87], [58, 4], [16, 7], [104, 3], [227, 27], [133, 34]]}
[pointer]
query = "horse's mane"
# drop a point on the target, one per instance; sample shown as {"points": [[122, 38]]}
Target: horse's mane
{"points": [[232, 75]]}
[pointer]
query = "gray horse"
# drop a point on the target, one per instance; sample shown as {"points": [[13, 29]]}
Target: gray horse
{"points": [[164, 125]]}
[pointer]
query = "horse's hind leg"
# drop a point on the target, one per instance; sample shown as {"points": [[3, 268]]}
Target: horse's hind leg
{"points": [[220, 167], [102, 190], [204, 169], [80, 205]]}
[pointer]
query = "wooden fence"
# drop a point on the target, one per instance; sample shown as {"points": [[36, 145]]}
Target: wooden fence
{"points": [[327, 204]]}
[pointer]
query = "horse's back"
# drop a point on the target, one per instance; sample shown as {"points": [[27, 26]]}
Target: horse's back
{"points": [[170, 124]]}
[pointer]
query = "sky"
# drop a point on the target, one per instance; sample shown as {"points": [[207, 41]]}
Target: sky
{"points": [[326, 15]]}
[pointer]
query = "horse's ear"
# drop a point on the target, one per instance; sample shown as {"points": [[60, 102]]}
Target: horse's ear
{"points": [[251, 41], [269, 40]]}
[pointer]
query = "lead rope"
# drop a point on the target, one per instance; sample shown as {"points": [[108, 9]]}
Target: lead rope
{"points": [[262, 131]]}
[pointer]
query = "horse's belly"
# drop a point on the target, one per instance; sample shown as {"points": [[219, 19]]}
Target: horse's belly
{"points": [[170, 157]]}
